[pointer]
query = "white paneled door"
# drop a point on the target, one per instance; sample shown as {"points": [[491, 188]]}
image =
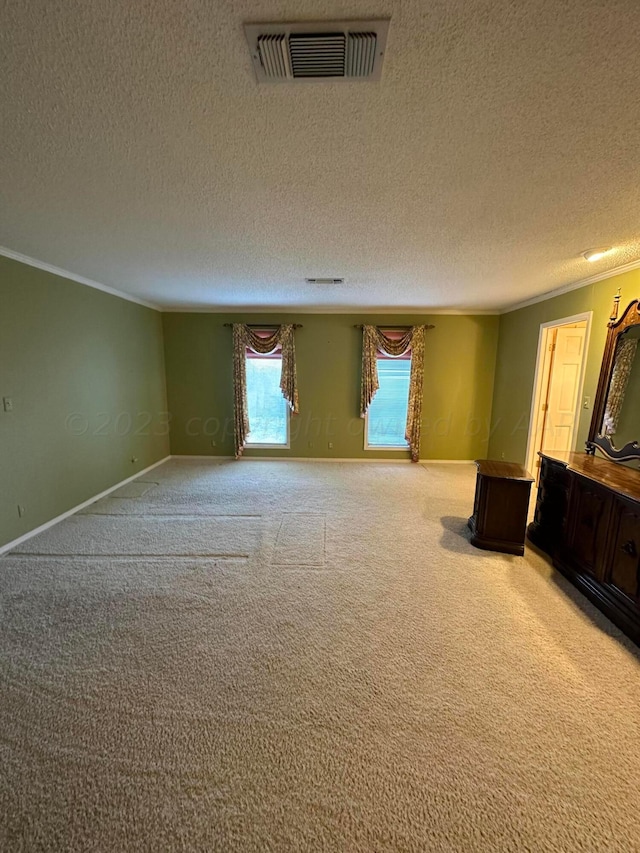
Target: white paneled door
{"points": [[561, 408]]}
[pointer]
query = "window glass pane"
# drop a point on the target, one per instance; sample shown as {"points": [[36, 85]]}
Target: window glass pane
{"points": [[267, 407], [387, 418]]}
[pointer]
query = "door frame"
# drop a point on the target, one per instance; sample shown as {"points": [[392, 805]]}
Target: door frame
{"points": [[539, 378]]}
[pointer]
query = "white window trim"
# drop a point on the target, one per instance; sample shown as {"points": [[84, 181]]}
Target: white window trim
{"points": [[367, 446], [286, 446], [253, 445]]}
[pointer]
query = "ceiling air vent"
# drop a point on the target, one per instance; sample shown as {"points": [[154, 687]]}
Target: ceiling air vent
{"points": [[344, 50], [317, 54], [324, 280], [274, 56]]}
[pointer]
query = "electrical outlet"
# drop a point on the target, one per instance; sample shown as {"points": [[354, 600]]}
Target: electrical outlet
{"points": [[21, 511], [310, 444], [134, 459], [7, 403], [330, 445], [213, 442], [502, 456]]}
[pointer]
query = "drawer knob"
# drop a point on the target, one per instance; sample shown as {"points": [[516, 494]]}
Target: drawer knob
{"points": [[629, 548]]}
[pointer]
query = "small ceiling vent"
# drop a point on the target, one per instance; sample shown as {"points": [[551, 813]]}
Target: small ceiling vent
{"points": [[324, 280], [345, 50]]}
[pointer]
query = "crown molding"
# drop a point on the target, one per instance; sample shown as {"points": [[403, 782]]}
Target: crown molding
{"points": [[79, 279], [317, 309], [359, 310], [576, 285]]}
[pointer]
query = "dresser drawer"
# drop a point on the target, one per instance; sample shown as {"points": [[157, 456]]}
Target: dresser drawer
{"points": [[546, 530], [588, 526], [623, 568], [553, 473]]}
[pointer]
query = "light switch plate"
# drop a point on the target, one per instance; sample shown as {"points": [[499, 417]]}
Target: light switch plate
{"points": [[7, 402]]}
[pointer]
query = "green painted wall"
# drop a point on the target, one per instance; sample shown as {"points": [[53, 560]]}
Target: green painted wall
{"points": [[517, 350], [85, 372], [460, 355]]}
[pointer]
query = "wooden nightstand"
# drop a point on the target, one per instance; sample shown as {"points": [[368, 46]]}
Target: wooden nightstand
{"points": [[501, 506]]}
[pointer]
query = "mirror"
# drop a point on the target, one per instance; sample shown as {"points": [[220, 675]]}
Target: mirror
{"points": [[615, 425], [621, 420]]}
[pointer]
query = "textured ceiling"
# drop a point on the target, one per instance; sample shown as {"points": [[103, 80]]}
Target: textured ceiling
{"points": [[504, 139]]}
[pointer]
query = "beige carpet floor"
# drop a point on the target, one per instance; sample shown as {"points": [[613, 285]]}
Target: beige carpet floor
{"points": [[269, 656]]}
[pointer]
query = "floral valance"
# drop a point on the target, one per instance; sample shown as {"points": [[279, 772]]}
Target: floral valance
{"points": [[263, 343], [374, 340]]}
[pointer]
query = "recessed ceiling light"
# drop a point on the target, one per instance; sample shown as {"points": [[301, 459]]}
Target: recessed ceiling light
{"points": [[596, 254]]}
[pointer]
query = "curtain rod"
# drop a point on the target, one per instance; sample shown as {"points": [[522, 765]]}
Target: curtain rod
{"points": [[390, 328], [265, 325]]}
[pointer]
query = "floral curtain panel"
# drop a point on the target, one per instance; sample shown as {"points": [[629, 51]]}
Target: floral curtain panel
{"points": [[373, 339], [625, 354], [244, 337]]}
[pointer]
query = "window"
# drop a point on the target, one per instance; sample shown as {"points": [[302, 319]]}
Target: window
{"points": [[386, 419], [268, 410]]}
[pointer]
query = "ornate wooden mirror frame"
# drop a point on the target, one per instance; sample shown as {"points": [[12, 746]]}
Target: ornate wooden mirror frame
{"points": [[616, 327]]}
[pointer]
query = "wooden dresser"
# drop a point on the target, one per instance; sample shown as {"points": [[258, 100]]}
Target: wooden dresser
{"points": [[587, 518]]}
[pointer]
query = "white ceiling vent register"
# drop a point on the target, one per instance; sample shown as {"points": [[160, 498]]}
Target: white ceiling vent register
{"points": [[343, 50]]}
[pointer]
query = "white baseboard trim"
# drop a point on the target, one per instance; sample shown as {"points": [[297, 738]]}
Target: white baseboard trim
{"points": [[190, 456], [15, 542], [284, 458], [10, 545], [376, 460], [315, 459], [447, 461]]}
